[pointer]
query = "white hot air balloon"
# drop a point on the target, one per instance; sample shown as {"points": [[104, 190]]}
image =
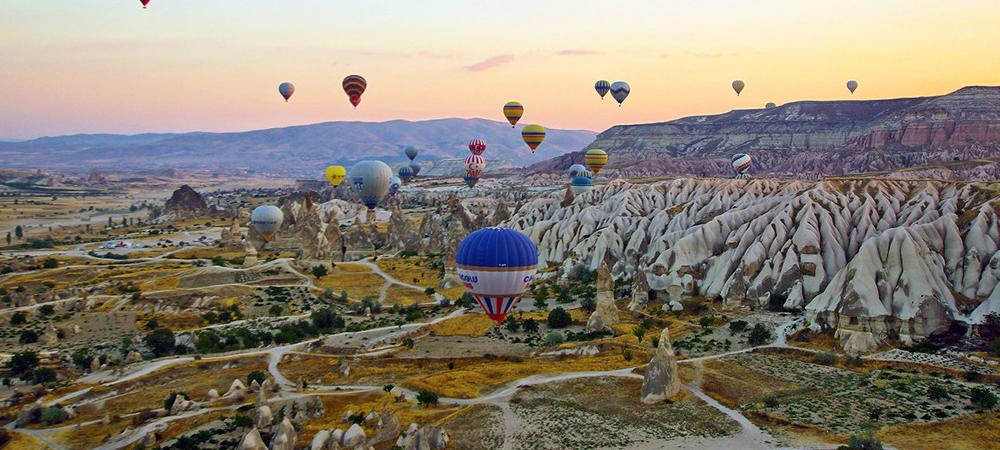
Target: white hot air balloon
{"points": [[371, 179], [266, 220], [620, 90]]}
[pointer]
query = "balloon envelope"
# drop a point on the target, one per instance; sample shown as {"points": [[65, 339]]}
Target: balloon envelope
{"points": [[496, 265], [533, 135], [770, 105], [581, 185], [575, 170], [602, 87], [354, 86], [405, 173], [513, 111], [475, 165], [371, 179], [335, 175], [411, 152], [394, 184], [741, 162], [415, 168], [469, 181], [852, 85], [286, 90], [477, 146], [595, 159], [144, 3], [620, 90], [266, 220], [738, 86]]}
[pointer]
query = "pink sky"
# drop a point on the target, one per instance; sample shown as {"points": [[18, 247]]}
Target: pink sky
{"points": [[80, 66]]}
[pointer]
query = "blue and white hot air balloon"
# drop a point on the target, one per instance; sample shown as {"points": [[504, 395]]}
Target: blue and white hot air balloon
{"points": [[741, 163], [581, 185], [576, 169], [496, 265], [370, 178], [394, 185]]}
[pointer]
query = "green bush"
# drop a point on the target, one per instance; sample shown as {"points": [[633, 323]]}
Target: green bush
{"points": [[559, 318], [18, 318], [553, 338], [53, 415], [706, 321], [760, 335], [43, 375], [825, 358], [161, 341], [50, 263], [983, 398], [427, 398], [530, 326], [256, 375], [864, 441]]}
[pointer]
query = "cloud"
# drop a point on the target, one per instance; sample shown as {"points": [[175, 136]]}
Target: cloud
{"points": [[495, 61], [578, 52], [431, 55]]}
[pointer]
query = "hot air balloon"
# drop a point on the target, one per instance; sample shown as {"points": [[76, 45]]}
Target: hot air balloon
{"points": [[595, 159], [513, 111], [335, 175], [770, 105], [738, 86], [411, 152], [474, 166], [620, 90], [852, 85], [370, 179], [393, 185], [533, 135], [470, 182], [144, 3], [575, 170], [581, 185], [741, 163], [496, 265], [266, 220], [405, 174], [415, 168], [602, 87], [477, 146], [286, 90], [354, 86]]}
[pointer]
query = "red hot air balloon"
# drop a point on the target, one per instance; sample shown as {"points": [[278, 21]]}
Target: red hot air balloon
{"points": [[354, 86], [144, 3], [477, 146]]}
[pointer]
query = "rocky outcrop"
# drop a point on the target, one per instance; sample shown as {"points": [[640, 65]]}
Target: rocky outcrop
{"points": [[353, 437], [606, 313], [808, 138], [428, 437], [662, 380], [795, 244], [186, 203], [252, 441], [285, 437]]}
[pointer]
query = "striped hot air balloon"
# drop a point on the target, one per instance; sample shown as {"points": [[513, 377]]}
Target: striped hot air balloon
{"points": [[595, 159], [470, 182], [738, 86], [405, 173], [576, 170], [354, 86], [581, 185], [497, 265], [602, 87], [477, 146], [533, 135], [620, 91], [475, 165], [741, 162], [513, 112]]}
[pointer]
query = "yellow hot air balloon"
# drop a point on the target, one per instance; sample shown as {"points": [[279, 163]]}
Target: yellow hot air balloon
{"points": [[533, 135], [595, 159], [738, 86], [335, 175], [513, 112]]}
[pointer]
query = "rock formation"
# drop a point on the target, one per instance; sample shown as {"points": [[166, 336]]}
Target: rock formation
{"points": [[662, 380], [186, 203], [606, 313], [252, 441], [285, 437], [428, 437]]}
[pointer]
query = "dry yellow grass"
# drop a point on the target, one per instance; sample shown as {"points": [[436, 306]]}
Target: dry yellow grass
{"points": [[373, 372], [453, 293], [352, 268], [402, 295], [336, 406], [409, 270], [22, 441], [979, 431], [734, 385], [357, 285], [473, 325]]}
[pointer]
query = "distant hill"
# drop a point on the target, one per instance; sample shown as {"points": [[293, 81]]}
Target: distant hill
{"points": [[809, 138], [297, 149]]}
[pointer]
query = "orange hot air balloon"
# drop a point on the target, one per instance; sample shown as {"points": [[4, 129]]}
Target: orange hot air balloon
{"points": [[354, 86]]}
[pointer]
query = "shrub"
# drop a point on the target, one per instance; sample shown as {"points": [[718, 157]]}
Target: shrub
{"points": [[627, 354], [559, 318], [706, 321], [28, 337], [530, 326], [983, 398], [553, 338], [241, 420], [588, 304], [53, 415], [935, 392], [760, 335], [43, 375], [512, 324], [275, 310], [388, 387], [320, 271], [429, 292], [540, 303], [256, 375], [864, 441], [771, 402], [18, 318], [973, 376], [50, 263], [825, 358], [161, 341], [427, 398], [855, 361], [639, 332], [47, 310]]}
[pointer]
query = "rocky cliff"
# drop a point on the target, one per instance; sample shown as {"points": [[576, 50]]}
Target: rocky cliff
{"points": [[809, 138], [871, 259]]}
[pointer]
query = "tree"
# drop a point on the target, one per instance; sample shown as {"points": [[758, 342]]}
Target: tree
{"points": [[639, 332], [983, 398], [759, 335], [275, 310], [512, 324], [323, 318], [161, 341], [18, 232], [256, 375], [935, 392], [588, 304], [28, 337], [864, 441], [559, 318], [388, 387], [50, 263], [46, 310], [320, 271], [22, 362], [427, 398], [53, 415], [530, 326], [429, 292], [8, 238], [43, 375], [706, 321], [343, 296], [17, 318], [737, 326], [553, 338], [540, 303]]}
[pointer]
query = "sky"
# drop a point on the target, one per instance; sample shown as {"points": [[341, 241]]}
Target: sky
{"points": [[108, 66]]}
